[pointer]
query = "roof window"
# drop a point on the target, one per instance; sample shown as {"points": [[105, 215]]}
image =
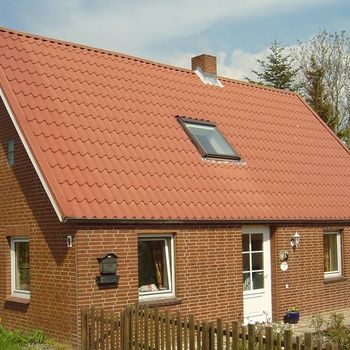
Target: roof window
{"points": [[208, 139]]}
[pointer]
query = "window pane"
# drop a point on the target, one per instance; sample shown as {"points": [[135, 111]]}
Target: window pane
{"points": [[257, 261], [246, 262], [258, 280], [246, 281], [257, 241], [210, 139], [153, 274], [11, 152], [22, 268], [245, 243], [330, 246]]}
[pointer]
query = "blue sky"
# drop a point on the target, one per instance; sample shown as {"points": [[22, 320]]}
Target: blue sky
{"points": [[237, 32]]}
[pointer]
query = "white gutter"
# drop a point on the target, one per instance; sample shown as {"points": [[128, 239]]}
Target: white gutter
{"points": [[31, 157]]}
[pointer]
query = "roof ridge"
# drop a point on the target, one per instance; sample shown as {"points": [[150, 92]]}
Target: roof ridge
{"points": [[93, 48], [136, 58]]}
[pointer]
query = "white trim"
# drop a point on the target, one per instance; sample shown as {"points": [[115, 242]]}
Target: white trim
{"points": [[31, 157], [338, 272], [170, 266], [25, 294]]}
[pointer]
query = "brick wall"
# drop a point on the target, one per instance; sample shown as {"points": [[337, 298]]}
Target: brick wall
{"points": [[206, 62], [26, 211], [308, 288], [208, 269]]}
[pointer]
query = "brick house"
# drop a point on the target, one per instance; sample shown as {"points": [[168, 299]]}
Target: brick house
{"points": [[196, 183]]}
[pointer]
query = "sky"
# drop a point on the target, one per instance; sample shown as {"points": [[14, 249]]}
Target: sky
{"points": [[171, 32]]}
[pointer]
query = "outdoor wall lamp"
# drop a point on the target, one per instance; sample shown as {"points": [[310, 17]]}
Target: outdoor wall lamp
{"points": [[294, 242]]}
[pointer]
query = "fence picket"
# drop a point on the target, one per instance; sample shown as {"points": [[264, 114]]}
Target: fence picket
{"points": [[287, 340], [151, 329], [205, 336], [308, 341], [260, 340], [278, 340], [143, 328], [156, 330], [112, 330], [235, 336], [227, 336], [102, 329], [146, 327], [185, 328], [211, 336], [167, 331], [162, 324], [220, 335], [173, 332], [191, 332], [93, 334], [83, 329], [251, 337], [179, 331], [269, 338], [297, 343], [199, 337], [118, 331], [98, 330], [244, 337], [137, 319]]}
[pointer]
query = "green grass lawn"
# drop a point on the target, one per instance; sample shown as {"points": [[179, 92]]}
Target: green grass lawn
{"points": [[31, 340]]}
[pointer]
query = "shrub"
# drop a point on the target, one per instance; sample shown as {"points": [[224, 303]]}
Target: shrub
{"points": [[337, 331], [333, 330]]}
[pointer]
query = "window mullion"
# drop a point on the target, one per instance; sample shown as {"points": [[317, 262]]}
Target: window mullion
{"points": [[250, 262]]}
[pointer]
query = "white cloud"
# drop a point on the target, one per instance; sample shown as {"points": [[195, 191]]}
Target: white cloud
{"points": [[137, 26], [131, 26], [236, 64]]}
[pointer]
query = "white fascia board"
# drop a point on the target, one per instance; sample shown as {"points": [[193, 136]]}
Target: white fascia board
{"points": [[31, 157]]}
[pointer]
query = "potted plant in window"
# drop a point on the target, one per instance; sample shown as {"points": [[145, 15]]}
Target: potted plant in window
{"points": [[292, 315]]}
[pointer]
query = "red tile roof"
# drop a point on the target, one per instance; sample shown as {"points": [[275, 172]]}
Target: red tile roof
{"points": [[102, 130]]}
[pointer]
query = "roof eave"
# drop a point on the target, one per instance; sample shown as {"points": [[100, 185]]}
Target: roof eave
{"points": [[211, 222]]}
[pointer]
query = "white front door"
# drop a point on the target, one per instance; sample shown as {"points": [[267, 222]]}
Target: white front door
{"points": [[256, 273]]}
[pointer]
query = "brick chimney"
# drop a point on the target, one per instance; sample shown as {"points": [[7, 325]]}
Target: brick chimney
{"points": [[206, 63]]}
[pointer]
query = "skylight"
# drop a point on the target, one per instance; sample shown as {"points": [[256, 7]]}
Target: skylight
{"points": [[208, 139]]}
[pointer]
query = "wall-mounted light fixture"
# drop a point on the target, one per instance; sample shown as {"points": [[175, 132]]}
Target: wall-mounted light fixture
{"points": [[294, 242]]}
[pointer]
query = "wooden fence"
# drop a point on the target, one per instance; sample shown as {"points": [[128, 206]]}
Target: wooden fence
{"points": [[143, 328]]}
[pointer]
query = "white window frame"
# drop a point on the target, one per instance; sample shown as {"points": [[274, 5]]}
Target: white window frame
{"points": [[338, 272], [170, 265], [24, 294]]}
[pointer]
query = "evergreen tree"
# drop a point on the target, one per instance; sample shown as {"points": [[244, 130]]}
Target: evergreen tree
{"points": [[277, 70]]}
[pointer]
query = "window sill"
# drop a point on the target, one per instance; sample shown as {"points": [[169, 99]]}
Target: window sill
{"points": [[334, 279], [160, 302], [17, 300]]}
